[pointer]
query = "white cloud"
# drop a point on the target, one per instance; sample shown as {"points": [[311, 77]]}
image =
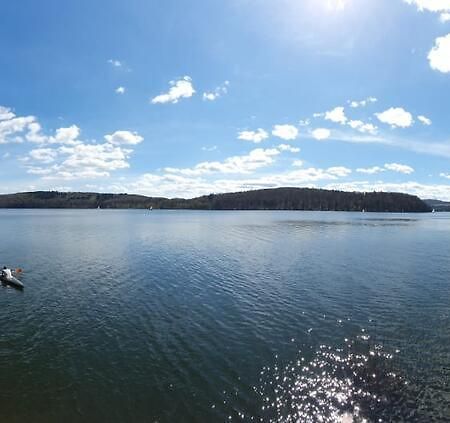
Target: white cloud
{"points": [[365, 128], [370, 170], [217, 92], [445, 175], [209, 96], [79, 161], [43, 155], [441, 192], [6, 113], [426, 121], [63, 155], [336, 115], [297, 163], [11, 129], [40, 171], [287, 147], [394, 167], [304, 122], [362, 103], [124, 138], [95, 156], [181, 185], [34, 134], [19, 129], [355, 124], [396, 117], [120, 90], [85, 161], [253, 136], [400, 168], [339, 171], [115, 63], [182, 88], [66, 135], [431, 5], [248, 163], [285, 132], [321, 134], [212, 148], [439, 56]]}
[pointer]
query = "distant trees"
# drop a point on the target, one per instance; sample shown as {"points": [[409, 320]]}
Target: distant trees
{"points": [[310, 199], [266, 199]]}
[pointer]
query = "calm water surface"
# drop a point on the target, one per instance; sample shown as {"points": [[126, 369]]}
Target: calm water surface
{"points": [[182, 316]]}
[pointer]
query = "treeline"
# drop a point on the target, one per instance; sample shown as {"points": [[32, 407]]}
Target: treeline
{"points": [[439, 206], [309, 199], [74, 200], [266, 199]]}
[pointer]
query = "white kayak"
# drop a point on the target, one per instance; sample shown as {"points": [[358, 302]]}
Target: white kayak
{"points": [[12, 281]]}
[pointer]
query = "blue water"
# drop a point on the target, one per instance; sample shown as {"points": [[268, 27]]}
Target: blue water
{"points": [[184, 316]]}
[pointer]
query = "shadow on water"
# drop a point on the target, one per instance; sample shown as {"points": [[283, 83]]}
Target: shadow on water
{"points": [[7, 285]]}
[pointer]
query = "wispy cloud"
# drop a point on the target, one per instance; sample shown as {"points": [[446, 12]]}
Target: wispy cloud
{"points": [[441, 149], [218, 92], [362, 103], [247, 163], [394, 167], [173, 185], [436, 191], [115, 63], [400, 168], [426, 121]]}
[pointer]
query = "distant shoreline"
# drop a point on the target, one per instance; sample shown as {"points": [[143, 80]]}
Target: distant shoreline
{"points": [[282, 199]]}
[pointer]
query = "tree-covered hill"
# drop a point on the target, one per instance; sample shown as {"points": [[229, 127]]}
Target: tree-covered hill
{"points": [[439, 206], [266, 199]]}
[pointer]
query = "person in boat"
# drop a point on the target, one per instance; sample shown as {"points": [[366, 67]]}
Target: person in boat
{"points": [[7, 273]]}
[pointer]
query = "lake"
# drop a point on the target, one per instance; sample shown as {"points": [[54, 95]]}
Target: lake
{"points": [[198, 316]]}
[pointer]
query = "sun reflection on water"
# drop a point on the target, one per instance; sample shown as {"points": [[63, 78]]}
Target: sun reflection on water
{"points": [[355, 383]]}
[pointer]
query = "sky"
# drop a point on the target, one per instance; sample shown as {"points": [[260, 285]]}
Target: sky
{"points": [[185, 98]]}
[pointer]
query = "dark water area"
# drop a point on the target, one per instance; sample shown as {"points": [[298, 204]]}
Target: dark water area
{"points": [[184, 316]]}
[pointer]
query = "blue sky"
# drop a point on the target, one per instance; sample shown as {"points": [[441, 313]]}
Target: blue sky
{"points": [[183, 98]]}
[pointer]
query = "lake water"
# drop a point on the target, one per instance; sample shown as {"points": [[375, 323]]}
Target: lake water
{"points": [[184, 316]]}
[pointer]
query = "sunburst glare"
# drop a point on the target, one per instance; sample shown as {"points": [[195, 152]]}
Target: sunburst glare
{"points": [[336, 5]]}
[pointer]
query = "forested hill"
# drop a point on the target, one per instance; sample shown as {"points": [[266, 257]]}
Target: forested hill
{"points": [[266, 199], [439, 206]]}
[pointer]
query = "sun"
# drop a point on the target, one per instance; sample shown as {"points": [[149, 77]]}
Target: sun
{"points": [[336, 5]]}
